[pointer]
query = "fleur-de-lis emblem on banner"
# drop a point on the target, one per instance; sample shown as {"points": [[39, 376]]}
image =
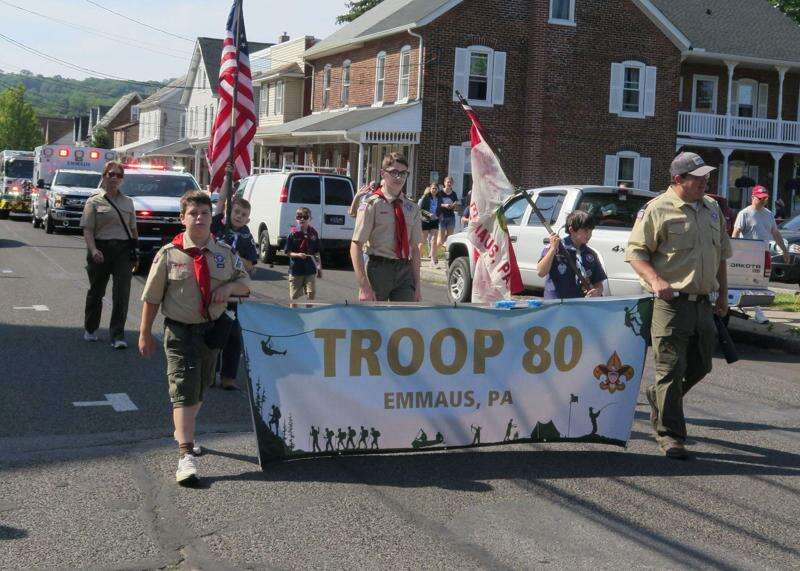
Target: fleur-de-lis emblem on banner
{"points": [[613, 375]]}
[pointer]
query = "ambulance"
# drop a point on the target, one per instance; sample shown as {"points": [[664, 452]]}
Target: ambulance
{"points": [[57, 200], [16, 169]]}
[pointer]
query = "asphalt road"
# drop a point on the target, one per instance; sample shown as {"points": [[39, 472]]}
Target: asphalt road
{"points": [[92, 487]]}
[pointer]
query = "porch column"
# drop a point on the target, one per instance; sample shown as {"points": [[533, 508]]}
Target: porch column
{"points": [[776, 156], [782, 69], [731, 66], [411, 185], [198, 158], [726, 155], [360, 175]]}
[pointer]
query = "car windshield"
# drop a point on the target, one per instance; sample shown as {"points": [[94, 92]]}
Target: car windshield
{"points": [[141, 184], [792, 225], [612, 210], [80, 179], [16, 168]]}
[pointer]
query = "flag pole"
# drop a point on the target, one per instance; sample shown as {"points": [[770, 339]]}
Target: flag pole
{"points": [[584, 283], [231, 158]]}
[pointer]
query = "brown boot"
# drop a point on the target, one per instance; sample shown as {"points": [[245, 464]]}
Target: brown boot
{"points": [[672, 448]]}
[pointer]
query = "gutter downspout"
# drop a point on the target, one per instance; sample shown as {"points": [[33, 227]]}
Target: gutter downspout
{"points": [[313, 78], [420, 86], [360, 175]]}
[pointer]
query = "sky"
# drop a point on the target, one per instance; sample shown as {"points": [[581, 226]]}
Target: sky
{"points": [[136, 52]]}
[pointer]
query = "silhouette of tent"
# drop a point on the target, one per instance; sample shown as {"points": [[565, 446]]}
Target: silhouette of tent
{"points": [[546, 431]]}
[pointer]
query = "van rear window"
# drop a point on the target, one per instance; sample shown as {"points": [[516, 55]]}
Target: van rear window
{"points": [[338, 192], [611, 211], [305, 190]]}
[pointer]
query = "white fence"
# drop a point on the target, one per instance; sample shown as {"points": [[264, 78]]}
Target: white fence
{"points": [[708, 126]]}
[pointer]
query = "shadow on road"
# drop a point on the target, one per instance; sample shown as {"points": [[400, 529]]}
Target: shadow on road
{"points": [[7, 533], [5, 243]]}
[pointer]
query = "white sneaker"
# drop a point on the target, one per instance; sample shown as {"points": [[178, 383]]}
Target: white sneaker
{"points": [[118, 344], [760, 318], [187, 470], [89, 336]]}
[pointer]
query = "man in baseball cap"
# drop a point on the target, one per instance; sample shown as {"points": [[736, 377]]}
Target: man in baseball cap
{"points": [[756, 222], [691, 164]]}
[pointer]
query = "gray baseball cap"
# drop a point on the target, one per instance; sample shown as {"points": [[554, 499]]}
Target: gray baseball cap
{"points": [[689, 163]]}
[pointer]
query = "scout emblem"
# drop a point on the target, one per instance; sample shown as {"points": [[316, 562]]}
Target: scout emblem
{"points": [[613, 375]]}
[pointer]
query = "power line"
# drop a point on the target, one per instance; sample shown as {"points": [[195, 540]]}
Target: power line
{"points": [[133, 42], [139, 22]]}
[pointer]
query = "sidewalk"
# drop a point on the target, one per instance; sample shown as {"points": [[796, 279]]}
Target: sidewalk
{"points": [[782, 332]]}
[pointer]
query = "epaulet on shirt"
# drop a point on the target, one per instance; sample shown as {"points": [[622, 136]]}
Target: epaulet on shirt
{"points": [[371, 199], [709, 201]]}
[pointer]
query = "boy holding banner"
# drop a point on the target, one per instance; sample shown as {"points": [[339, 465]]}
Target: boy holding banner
{"points": [[390, 225]]}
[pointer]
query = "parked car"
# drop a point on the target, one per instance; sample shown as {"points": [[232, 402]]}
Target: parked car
{"points": [[615, 212], [276, 196], [781, 271]]}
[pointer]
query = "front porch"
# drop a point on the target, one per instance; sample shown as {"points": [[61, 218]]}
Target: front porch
{"points": [[733, 128]]}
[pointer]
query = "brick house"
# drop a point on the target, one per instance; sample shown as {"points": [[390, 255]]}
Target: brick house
{"points": [[572, 91]]}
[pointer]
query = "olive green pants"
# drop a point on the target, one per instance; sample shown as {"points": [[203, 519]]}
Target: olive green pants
{"points": [[391, 280], [684, 338], [117, 264], [190, 363]]}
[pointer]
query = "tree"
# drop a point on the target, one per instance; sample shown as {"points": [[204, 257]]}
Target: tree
{"points": [[790, 7], [100, 138], [19, 127], [355, 9]]}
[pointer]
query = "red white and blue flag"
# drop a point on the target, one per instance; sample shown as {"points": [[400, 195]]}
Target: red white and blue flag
{"points": [[241, 123], [496, 271]]}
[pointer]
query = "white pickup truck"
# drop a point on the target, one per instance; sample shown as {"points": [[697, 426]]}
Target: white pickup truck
{"points": [[615, 212]]}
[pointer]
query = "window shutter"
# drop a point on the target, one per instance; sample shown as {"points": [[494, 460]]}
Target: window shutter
{"points": [[735, 99], [461, 74], [650, 92], [612, 169], [499, 78], [455, 167], [763, 100], [644, 174], [615, 96]]}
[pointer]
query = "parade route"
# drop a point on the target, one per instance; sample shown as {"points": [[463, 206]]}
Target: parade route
{"points": [[87, 464]]}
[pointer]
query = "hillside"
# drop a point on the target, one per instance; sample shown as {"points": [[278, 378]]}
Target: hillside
{"points": [[58, 96]]}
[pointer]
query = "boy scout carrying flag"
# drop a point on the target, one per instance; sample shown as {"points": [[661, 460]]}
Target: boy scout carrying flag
{"points": [[391, 227], [679, 248], [192, 280]]}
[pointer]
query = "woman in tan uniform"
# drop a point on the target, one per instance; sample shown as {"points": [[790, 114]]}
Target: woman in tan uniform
{"points": [[109, 228]]}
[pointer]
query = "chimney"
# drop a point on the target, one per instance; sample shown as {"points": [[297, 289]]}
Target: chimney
{"points": [[283, 38]]}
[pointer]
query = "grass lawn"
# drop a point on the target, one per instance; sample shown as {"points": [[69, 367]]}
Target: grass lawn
{"points": [[786, 302]]}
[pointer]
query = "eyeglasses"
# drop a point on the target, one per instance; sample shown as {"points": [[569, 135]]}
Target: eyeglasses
{"points": [[398, 174], [302, 217], [113, 174]]}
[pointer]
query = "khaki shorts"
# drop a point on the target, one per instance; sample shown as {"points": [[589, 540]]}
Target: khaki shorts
{"points": [[299, 285], [190, 363]]}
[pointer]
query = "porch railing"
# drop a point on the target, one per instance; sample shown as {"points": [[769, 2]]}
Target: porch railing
{"points": [[709, 126]]}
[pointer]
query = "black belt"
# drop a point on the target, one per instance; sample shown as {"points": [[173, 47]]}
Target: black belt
{"points": [[382, 260], [173, 323], [110, 241], [693, 296]]}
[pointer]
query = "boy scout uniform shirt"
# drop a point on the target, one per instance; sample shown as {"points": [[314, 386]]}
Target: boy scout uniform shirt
{"points": [[375, 225], [172, 282], [685, 245], [101, 218]]}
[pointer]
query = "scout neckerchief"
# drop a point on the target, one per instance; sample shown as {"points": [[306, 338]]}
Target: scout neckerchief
{"points": [[201, 272], [571, 247], [401, 246]]}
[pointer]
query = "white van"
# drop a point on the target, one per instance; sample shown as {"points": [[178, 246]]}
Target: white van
{"points": [[276, 196]]}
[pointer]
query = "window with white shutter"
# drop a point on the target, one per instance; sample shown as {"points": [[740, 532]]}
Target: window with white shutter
{"points": [[763, 99], [380, 77], [632, 89], [279, 98], [628, 168], [562, 12], [345, 83], [405, 74], [480, 76], [326, 87], [455, 168]]}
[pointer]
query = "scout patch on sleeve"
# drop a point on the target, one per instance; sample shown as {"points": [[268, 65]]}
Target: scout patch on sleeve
{"points": [[237, 263], [714, 215], [220, 260], [363, 206], [640, 214]]}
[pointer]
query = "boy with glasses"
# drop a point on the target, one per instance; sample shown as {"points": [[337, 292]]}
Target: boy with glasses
{"points": [[302, 247], [390, 225]]}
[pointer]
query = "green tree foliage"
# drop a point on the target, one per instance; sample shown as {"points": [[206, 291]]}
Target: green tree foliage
{"points": [[100, 138], [790, 7], [355, 9], [19, 127], [62, 97]]}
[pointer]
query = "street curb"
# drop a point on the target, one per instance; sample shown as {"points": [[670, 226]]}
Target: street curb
{"points": [[769, 335], [434, 276]]}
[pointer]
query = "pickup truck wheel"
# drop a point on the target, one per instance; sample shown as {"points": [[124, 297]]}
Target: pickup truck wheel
{"points": [[459, 281], [265, 253], [49, 227]]}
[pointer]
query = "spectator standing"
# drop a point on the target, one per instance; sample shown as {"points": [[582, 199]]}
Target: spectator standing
{"points": [[109, 230], [448, 205], [756, 222], [302, 247], [429, 206], [466, 201]]}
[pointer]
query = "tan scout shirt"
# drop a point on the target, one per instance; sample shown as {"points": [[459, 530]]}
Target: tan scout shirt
{"points": [[172, 284], [101, 218], [375, 225], [684, 245]]}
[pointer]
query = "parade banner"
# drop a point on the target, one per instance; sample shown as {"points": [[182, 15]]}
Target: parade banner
{"points": [[368, 379]]}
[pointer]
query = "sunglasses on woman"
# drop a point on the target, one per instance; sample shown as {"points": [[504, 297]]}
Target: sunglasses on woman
{"points": [[302, 217], [114, 175]]}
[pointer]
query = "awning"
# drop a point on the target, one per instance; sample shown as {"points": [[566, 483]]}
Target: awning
{"points": [[177, 149], [390, 124]]}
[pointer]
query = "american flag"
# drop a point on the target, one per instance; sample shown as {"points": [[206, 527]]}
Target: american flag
{"points": [[219, 149]]}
